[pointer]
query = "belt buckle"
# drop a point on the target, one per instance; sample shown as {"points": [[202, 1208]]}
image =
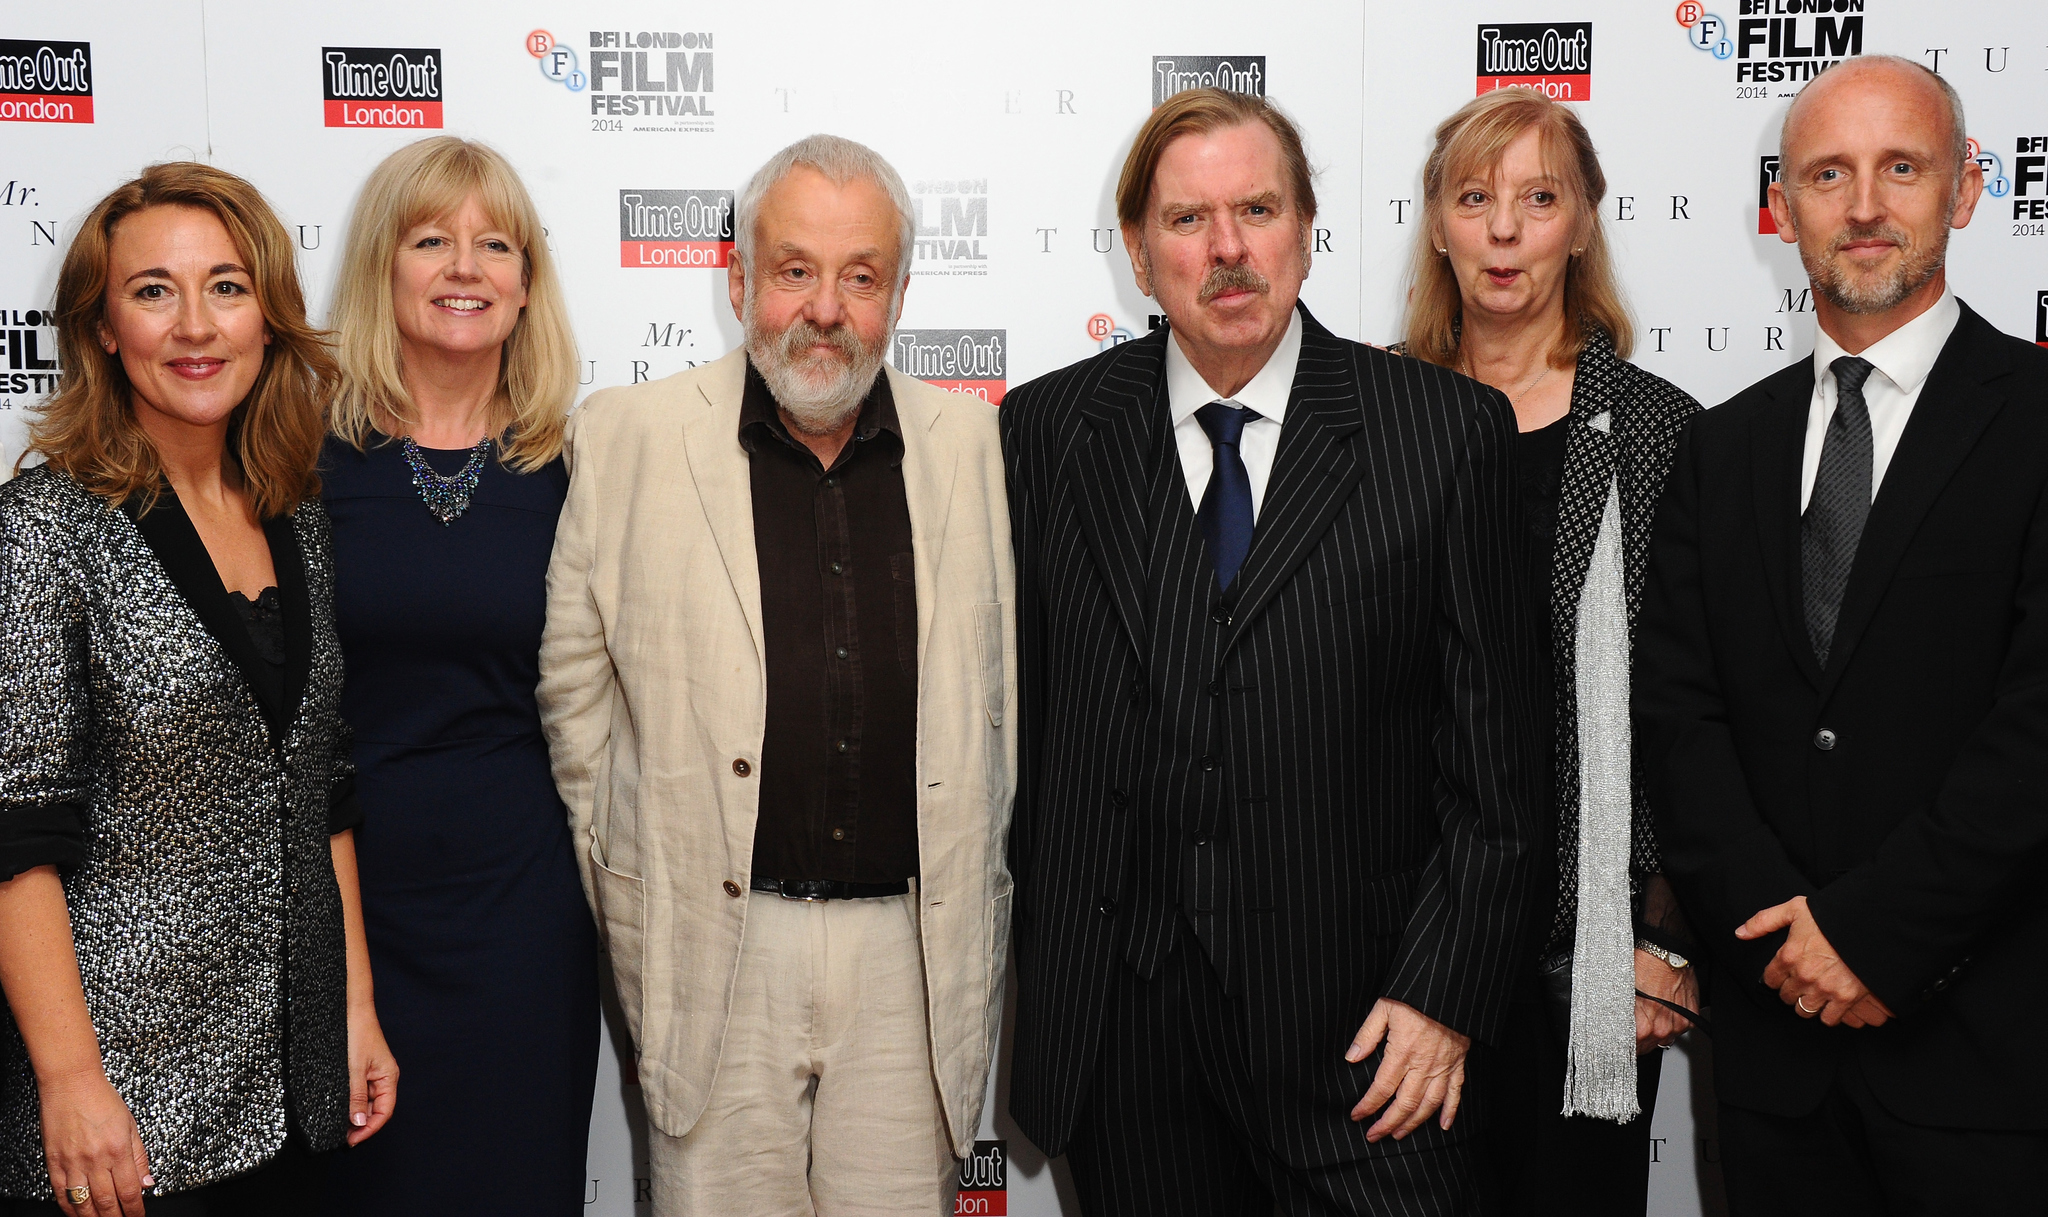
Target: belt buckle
{"points": [[782, 890]]}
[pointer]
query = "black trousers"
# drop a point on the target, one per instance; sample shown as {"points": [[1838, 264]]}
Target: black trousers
{"points": [[1853, 1155], [1542, 1162], [289, 1183], [1159, 1137]]}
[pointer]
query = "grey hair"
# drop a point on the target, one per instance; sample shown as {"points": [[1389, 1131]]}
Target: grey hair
{"points": [[841, 160], [1958, 129]]}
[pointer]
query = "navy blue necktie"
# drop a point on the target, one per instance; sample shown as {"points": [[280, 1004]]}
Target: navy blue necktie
{"points": [[1226, 511]]}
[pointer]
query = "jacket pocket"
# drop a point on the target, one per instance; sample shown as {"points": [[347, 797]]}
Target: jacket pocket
{"points": [[988, 638], [622, 914]]}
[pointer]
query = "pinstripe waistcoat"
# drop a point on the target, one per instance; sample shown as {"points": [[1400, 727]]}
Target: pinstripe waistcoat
{"points": [[206, 915]]}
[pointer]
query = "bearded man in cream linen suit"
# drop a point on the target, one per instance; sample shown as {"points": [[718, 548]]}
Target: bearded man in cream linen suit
{"points": [[776, 681]]}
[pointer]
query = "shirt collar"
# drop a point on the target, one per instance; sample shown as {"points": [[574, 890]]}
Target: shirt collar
{"points": [[1187, 392], [758, 410], [1906, 355]]}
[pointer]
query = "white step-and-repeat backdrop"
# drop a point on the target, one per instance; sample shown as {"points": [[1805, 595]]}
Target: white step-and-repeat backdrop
{"points": [[633, 123]]}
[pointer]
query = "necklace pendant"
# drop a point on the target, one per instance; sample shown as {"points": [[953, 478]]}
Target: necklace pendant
{"points": [[446, 498]]}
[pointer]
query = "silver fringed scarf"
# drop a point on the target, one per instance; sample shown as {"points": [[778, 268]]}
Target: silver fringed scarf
{"points": [[1600, 1065]]}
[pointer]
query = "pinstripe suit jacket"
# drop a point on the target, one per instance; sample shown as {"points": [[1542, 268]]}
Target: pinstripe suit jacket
{"points": [[1364, 723]]}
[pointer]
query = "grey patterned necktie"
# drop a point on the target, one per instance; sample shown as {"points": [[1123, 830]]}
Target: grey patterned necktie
{"points": [[1833, 523]]}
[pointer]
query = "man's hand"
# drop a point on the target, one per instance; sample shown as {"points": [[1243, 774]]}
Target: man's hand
{"points": [[1807, 973], [1423, 1070]]}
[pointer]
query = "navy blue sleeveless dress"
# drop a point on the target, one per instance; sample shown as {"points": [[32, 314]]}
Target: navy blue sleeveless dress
{"points": [[483, 950]]}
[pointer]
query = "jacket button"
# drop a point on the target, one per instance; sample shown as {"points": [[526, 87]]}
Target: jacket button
{"points": [[1208, 764], [1106, 908], [1200, 842], [1824, 740], [741, 768], [1222, 615], [732, 889], [1119, 798], [1137, 693], [1216, 687]]}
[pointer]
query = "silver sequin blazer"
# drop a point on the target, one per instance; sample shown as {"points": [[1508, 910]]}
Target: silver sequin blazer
{"points": [[207, 906]]}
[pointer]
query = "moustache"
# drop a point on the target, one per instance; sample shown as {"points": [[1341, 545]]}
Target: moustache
{"points": [[1237, 278], [1869, 232], [796, 341]]}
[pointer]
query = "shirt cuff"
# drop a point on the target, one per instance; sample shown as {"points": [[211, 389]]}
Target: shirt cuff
{"points": [[51, 834], [344, 810]]}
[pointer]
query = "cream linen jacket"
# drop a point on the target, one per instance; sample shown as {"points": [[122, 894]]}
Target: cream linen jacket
{"points": [[653, 693]]}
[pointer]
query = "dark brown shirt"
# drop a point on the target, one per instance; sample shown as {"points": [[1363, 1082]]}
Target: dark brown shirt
{"points": [[839, 617]]}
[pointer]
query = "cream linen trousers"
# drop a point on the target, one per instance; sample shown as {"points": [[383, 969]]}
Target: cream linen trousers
{"points": [[824, 1102]]}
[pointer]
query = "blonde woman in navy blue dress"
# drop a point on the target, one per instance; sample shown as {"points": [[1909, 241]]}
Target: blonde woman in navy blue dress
{"points": [[444, 477]]}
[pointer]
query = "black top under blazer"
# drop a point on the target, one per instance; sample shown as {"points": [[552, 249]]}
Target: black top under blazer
{"points": [[1917, 826], [1337, 788], [191, 821]]}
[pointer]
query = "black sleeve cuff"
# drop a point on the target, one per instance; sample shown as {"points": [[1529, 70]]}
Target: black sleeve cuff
{"points": [[49, 835], [344, 810]]}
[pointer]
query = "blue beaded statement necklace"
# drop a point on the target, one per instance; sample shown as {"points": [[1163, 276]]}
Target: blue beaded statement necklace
{"points": [[446, 497]]}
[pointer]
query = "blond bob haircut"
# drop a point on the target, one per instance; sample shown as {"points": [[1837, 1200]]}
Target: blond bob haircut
{"points": [[87, 429], [1199, 112], [1469, 147], [537, 372]]}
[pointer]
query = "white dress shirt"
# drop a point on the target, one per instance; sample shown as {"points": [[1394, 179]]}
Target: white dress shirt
{"points": [[1901, 361], [1187, 392]]}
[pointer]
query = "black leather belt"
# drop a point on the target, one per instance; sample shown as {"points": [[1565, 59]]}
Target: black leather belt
{"points": [[829, 889]]}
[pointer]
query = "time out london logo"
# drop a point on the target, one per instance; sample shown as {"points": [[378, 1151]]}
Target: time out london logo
{"points": [[1173, 74], [367, 86], [966, 361], [45, 82], [1554, 58], [674, 229]]}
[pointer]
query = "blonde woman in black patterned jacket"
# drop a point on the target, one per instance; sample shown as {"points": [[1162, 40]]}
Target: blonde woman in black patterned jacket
{"points": [[1514, 286]]}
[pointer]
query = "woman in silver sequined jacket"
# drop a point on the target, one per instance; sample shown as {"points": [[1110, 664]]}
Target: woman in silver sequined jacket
{"points": [[189, 1010]]}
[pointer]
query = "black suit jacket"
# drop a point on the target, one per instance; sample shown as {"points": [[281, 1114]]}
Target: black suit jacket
{"points": [[1918, 825], [1372, 719]]}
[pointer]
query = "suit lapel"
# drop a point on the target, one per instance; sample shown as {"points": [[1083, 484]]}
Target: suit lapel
{"points": [[1777, 439], [929, 469], [295, 602], [722, 476], [1314, 472], [1106, 467], [1954, 407]]}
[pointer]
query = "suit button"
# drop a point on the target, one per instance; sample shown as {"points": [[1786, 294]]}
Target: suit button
{"points": [[1216, 687], [1137, 694], [741, 768], [1107, 908], [1208, 764], [732, 889], [1824, 740], [1119, 798], [1222, 615], [1201, 842]]}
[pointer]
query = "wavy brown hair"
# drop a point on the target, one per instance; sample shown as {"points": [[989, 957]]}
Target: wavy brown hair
{"points": [[1199, 112], [87, 429], [1470, 145], [537, 366]]}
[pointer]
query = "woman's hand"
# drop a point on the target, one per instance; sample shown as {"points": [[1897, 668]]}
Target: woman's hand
{"points": [[90, 1141], [1657, 1026], [372, 1077]]}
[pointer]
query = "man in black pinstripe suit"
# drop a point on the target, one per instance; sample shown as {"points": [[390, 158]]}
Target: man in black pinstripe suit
{"points": [[1276, 826]]}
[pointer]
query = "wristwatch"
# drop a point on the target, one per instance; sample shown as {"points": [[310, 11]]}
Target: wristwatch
{"points": [[1672, 958]]}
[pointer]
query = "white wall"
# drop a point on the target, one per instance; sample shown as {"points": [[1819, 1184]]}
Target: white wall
{"points": [[1031, 107]]}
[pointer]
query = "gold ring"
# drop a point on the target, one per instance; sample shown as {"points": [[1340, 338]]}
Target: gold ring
{"points": [[1801, 1003], [78, 1195]]}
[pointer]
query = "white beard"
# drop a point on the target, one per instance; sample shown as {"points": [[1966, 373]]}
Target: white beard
{"points": [[820, 394]]}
